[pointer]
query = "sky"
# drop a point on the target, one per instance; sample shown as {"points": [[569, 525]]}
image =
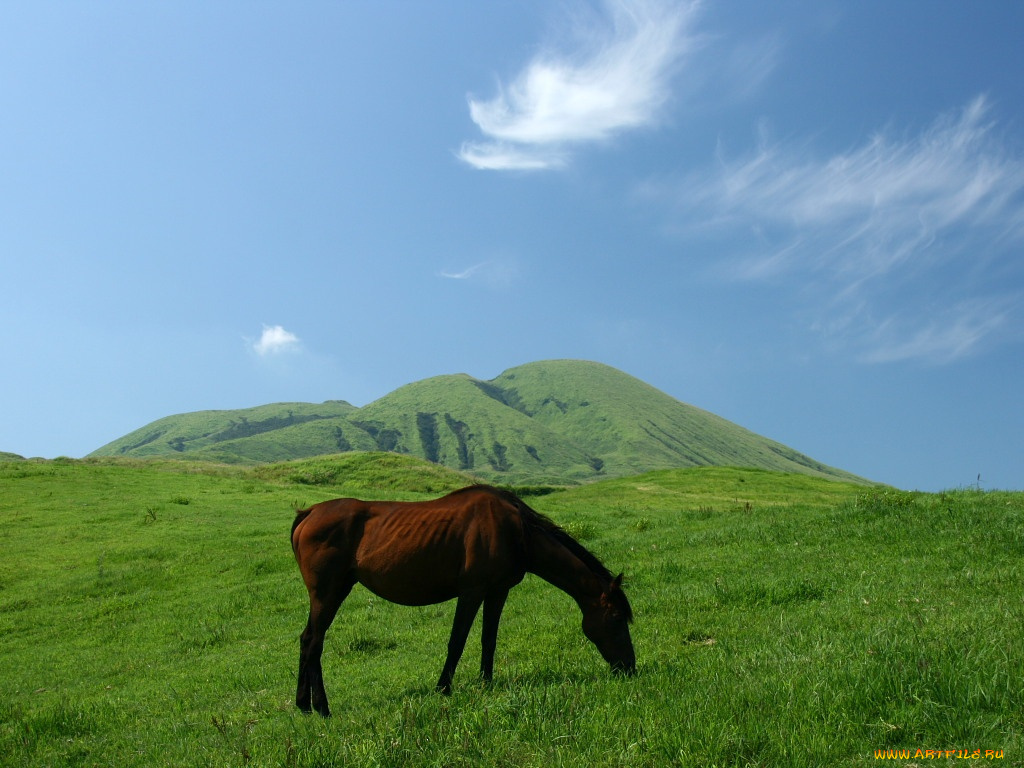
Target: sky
{"points": [[806, 217]]}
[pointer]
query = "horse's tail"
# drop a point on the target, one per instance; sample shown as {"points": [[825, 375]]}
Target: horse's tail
{"points": [[300, 515]]}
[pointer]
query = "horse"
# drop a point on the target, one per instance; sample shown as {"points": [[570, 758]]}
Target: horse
{"points": [[472, 545]]}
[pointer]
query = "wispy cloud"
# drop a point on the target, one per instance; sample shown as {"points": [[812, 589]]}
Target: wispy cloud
{"points": [[953, 333], [463, 274], [880, 226], [275, 340], [496, 272], [616, 79]]}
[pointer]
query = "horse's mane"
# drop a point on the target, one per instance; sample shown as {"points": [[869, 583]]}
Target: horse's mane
{"points": [[538, 522]]}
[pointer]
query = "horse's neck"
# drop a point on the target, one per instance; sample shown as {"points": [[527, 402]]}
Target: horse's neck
{"points": [[554, 563]]}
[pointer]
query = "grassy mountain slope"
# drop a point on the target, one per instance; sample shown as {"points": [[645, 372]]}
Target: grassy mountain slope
{"points": [[456, 421], [314, 438], [634, 427], [559, 421], [203, 430]]}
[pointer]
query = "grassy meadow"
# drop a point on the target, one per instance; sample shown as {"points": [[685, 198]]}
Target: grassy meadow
{"points": [[150, 613]]}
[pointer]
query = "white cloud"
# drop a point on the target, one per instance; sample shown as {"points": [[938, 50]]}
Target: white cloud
{"points": [[616, 80], [880, 227], [275, 340]]}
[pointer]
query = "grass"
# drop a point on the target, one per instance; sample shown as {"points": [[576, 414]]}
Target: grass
{"points": [[150, 612]]}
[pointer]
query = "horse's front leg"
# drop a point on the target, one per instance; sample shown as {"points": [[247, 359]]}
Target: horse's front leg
{"points": [[465, 612], [493, 606]]}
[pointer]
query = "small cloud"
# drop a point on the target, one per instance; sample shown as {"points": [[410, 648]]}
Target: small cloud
{"points": [[498, 156], [275, 340], [616, 80], [464, 274], [493, 272]]}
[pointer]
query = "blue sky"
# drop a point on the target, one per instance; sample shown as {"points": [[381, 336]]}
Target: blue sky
{"points": [[806, 217]]}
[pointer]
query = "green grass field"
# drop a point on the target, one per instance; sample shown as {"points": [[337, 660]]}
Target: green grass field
{"points": [[150, 613]]}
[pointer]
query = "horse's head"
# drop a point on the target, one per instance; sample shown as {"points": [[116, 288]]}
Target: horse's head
{"points": [[606, 625]]}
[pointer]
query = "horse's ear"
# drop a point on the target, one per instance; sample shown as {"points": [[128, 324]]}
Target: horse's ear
{"points": [[617, 582]]}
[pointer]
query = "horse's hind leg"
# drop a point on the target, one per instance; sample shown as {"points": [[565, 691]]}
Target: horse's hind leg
{"points": [[323, 606], [303, 693]]}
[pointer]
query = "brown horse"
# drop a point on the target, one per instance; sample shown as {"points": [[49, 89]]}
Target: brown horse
{"points": [[473, 545]]}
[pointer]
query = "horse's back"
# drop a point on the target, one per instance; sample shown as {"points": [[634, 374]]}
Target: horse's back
{"points": [[417, 553]]}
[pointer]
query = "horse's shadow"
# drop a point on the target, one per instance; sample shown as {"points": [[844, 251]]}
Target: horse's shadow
{"points": [[535, 679]]}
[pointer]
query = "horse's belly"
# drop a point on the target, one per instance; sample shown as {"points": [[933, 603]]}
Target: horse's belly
{"points": [[420, 595], [416, 581]]}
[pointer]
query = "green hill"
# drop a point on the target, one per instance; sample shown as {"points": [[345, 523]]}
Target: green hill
{"points": [[240, 435], [559, 421]]}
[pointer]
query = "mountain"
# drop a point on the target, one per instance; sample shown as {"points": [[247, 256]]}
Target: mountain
{"points": [[557, 421]]}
